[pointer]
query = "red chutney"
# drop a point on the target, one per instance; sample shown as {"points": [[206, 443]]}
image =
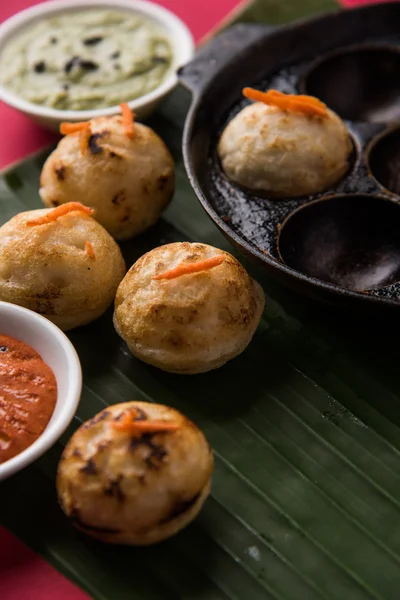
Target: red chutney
{"points": [[28, 395]]}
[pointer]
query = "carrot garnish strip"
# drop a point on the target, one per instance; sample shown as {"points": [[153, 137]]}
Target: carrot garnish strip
{"points": [[83, 128], [58, 212], [89, 250], [84, 137], [188, 268], [128, 424], [128, 119], [292, 102], [67, 128], [146, 426]]}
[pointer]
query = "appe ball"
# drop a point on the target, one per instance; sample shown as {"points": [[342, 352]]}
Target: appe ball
{"points": [[187, 307], [137, 473], [60, 263], [282, 153], [127, 180]]}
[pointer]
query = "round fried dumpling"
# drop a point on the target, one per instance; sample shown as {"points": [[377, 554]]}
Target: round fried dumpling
{"points": [[127, 180], [60, 263], [187, 308], [137, 473], [284, 153]]}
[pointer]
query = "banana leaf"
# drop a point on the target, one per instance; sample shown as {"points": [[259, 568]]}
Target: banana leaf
{"points": [[304, 424]]}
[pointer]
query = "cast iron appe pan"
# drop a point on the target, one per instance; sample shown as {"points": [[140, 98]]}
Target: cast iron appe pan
{"points": [[248, 54]]}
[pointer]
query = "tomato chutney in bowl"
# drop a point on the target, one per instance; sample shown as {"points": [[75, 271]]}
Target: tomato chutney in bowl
{"points": [[40, 386]]}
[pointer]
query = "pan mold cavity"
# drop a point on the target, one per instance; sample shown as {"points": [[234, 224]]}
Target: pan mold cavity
{"points": [[360, 84], [352, 241], [384, 160]]}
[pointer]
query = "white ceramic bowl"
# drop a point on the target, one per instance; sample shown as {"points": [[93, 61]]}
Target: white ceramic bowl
{"points": [[179, 35], [57, 351]]}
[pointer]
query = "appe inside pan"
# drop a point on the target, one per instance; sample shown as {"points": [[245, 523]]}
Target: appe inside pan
{"points": [[351, 240], [360, 84], [384, 160]]}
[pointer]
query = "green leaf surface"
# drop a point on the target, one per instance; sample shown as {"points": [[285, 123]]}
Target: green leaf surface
{"points": [[305, 427]]}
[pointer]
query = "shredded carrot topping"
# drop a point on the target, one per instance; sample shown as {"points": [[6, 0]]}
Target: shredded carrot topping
{"points": [[58, 212], [292, 102], [84, 137], [188, 268], [128, 119], [67, 128], [89, 250], [83, 128], [128, 424]]}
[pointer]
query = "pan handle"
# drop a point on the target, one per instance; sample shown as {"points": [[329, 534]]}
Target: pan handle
{"points": [[214, 55]]}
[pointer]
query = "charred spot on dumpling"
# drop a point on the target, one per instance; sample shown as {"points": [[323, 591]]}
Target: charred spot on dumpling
{"points": [[119, 197], [77, 453], [97, 419], [192, 315], [162, 181], [89, 468], [103, 445], [55, 203], [60, 172], [114, 154], [103, 415], [92, 142], [156, 457], [175, 340], [157, 309], [193, 256], [197, 247], [45, 298], [245, 316], [157, 452], [140, 415], [114, 490]]}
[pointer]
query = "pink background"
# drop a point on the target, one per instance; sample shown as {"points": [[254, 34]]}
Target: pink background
{"points": [[23, 574]]}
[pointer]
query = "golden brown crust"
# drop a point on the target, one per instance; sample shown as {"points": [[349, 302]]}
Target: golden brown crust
{"points": [[193, 323], [47, 269], [134, 489], [128, 181], [282, 153]]}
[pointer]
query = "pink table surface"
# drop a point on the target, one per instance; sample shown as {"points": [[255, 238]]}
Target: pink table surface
{"points": [[23, 574]]}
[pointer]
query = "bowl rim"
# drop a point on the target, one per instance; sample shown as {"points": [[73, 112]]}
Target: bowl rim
{"points": [[69, 404], [179, 34]]}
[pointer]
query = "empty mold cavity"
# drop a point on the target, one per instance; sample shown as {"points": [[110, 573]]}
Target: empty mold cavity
{"points": [[352, 241], [360, 84], [384, 160]]}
